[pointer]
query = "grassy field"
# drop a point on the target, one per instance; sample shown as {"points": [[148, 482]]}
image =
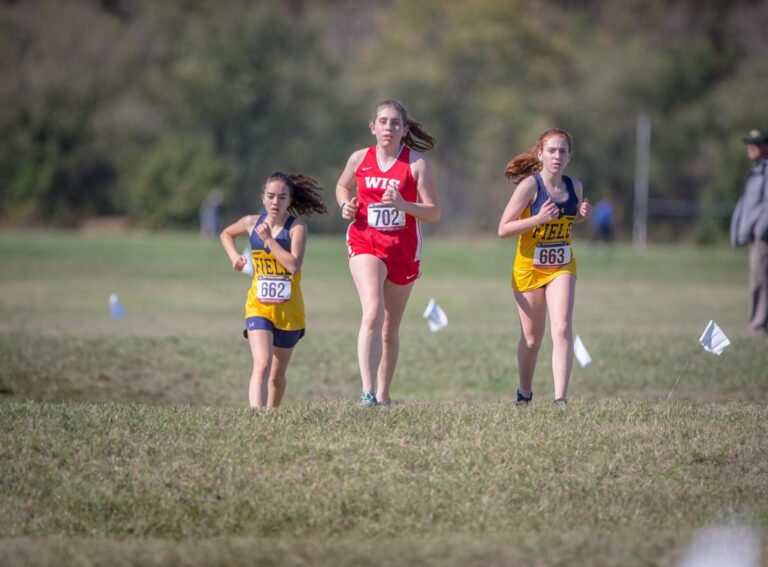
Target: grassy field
{"points": [[130, 442]]}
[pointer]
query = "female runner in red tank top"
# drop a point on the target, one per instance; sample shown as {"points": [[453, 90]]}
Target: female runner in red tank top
{"points": [[386, 190]]}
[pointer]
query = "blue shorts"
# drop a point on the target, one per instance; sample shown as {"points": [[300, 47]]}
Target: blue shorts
{"points": [[280, 338]]}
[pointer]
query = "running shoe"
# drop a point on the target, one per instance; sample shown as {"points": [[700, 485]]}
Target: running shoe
{"points": [[367, 399], [523, 400], [561, 402]]}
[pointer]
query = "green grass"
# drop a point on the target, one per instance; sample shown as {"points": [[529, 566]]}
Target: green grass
{"points": [[130, 442]]}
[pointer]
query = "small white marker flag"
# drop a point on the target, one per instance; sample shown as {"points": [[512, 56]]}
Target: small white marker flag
{"points": [[248, 268], [713, 339], [435, 316], [580, 351]]}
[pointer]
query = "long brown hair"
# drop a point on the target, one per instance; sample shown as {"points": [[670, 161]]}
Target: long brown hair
{"points": [[528, 163], [416, 137], [305, 198]]}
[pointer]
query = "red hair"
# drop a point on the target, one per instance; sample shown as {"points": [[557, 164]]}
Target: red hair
{"points": [[527, 163]]}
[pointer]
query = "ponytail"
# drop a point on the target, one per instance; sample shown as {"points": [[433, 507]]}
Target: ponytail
{"points": [[416, 137], [523, 165], [305, 198], [527, 163]]}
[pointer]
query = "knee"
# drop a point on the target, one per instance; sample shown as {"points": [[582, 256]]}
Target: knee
{"points": [[531, 343], [373, 317], [562, 330], [277, 380], [391, 335], [260, 367]]}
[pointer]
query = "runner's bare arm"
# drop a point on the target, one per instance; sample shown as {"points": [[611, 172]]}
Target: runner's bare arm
{"points": [[511, 224], [428, 206], [585, 207], [345, 186], [291, 259], [245, 225]]}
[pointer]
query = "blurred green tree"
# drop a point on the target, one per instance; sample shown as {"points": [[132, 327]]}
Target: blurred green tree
{"points": [[97, 99], [174, 180]]}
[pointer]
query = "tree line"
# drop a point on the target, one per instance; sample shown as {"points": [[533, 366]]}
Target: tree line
{"points": [[139, 108]]}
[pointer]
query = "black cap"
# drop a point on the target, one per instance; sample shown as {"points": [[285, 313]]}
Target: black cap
{"points": [[757, 136]]}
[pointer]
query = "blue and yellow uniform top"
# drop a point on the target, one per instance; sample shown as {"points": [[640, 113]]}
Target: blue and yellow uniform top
{"points": [[544, 252], [275, 293]]}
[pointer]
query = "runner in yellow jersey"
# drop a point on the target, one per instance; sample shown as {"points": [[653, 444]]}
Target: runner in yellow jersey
{"points": [[274, 301], [544, 252], [274, 308], [541, 212]]}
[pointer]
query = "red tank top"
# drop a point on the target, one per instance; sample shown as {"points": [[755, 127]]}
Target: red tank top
{"points": [[372, 181]]}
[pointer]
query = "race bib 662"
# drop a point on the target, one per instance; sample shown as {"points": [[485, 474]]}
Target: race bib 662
{"points": [[273, 289]]}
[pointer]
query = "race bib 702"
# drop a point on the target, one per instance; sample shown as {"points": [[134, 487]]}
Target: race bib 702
{"points": [[385, 217]]}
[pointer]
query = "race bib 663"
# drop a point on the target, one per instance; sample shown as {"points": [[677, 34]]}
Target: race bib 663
{"points": [[551, 255]]}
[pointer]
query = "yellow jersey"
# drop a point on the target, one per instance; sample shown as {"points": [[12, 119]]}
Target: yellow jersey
{"points": [[544, 252], [275, 293]]}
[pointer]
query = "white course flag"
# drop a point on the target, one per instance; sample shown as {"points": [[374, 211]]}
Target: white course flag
{"points": [[580, 352], [248, 268], [713, 339], [435, 316]]}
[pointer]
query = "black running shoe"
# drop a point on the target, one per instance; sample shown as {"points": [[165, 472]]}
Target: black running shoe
{"points": [[561, 402], [523, 400]]}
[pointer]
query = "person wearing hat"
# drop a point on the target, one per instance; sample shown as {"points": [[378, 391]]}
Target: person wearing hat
{"points": [[749, 226]]}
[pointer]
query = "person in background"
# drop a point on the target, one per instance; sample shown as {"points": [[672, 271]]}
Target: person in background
{"points": [[210, 208], [543, 207], [603, 220], [274, 308], [386, 190], [749, 226]]}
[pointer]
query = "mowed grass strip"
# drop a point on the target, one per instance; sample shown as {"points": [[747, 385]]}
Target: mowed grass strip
{"points": [[640, 314], [454, 365], [333, 470], [180, 341]]}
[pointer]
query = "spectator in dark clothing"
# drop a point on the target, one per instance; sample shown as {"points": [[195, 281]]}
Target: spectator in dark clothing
{"points": [[749, 226]]}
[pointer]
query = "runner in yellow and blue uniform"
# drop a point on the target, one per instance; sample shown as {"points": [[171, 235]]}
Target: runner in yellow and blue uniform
{"points": [[544, 252], [274, 302], [274, 308], [541, 212]]}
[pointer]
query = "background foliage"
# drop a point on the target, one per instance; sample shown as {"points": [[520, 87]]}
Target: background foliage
{"points": [[104, 103]]}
